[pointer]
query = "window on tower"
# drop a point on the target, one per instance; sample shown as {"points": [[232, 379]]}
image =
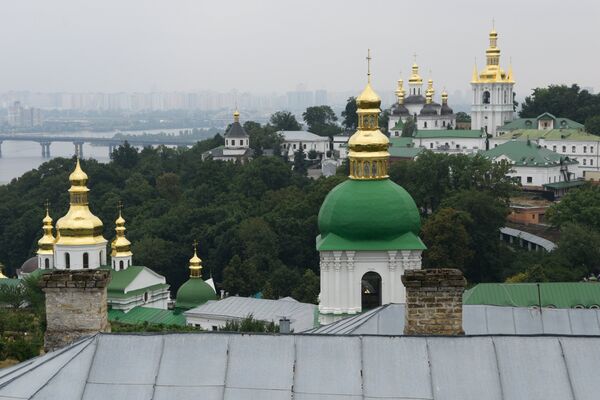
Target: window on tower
{"points": [[46, 263], [86, 260], [486, 97], [67, 260]]}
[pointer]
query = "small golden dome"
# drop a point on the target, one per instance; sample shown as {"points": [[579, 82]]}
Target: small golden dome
{"points": [[368, 99], [120, 246], [79, 226], [195, 264], [236, 116], [46, 243]]}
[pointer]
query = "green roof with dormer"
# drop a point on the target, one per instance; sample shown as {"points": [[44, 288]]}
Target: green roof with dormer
{"points": [[532, 123], [448, 133], [527, 154], [551, 134], [369, 215]]}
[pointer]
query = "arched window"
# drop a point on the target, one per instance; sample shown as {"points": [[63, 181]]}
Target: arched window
{"points": [[370, 290], [86, 260], [486, 97], [67, 261], [425, 124], [47, 263], [146, 297], [100, 258], [121, 265]]}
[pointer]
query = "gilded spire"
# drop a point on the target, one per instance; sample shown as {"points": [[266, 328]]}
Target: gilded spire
{"points": [[475, 77], [121, 246], [236, 115], [415, 78], [444, 96], [46, 243], [195, 264], [429, 92], [369, 156], [79, 226], [492, 71]]}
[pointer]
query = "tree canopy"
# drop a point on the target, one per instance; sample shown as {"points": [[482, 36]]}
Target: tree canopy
{"points": [[561, 101], [350, 118], [284, 121], [321, 120]]}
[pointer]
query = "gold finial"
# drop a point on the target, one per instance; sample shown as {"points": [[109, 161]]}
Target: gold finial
{"points": [[121, 246], [46, 243], [369, 65]]}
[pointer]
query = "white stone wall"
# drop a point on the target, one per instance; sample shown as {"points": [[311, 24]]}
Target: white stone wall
{"points": [[321, 147], [121, 263], [42, 261], [96, 256], [342, 272], [454, 145]]}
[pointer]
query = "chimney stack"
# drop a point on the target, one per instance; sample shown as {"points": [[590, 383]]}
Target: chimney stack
{"points": [[76, 305], [434, 301]]}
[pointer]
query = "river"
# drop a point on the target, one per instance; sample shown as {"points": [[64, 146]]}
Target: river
{"points": [[19, 157]]}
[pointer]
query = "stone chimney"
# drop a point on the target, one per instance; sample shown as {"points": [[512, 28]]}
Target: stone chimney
{"points": [[76, 305], [433, 301]]}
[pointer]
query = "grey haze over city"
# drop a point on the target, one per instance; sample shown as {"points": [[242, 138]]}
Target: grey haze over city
{"points": [[274, 46]]}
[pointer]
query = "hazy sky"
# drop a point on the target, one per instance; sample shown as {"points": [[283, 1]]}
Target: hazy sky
{"points": [[273, 45]]}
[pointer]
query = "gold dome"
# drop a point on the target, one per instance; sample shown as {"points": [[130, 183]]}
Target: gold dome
{"points": [[46, 243], [368, 147], [236, 116], [415, 78], [121, 246], [492, 72], [79, 226], [195, 264]]}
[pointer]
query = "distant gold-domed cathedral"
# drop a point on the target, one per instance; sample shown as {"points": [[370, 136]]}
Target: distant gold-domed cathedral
{"points": [[419, 106], [492, 89]]}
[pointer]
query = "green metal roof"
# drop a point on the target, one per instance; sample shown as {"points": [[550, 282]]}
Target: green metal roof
{"points": [[119, 280], [193, 293], [527, 154], [551, 134], [122, 295], [529, 123], [564, 185], [448, 133], [140, 315], [405, 152], [400, 141], [556, 294]]}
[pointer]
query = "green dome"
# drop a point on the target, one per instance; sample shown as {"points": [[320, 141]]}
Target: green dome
{"points": [[369, 215], [194, 293]]}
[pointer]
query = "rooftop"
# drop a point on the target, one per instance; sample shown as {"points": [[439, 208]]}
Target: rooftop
{"points": [[215, 366], [552, 134], [527, 154], [297, 136], [448, 133], [528, 123]]}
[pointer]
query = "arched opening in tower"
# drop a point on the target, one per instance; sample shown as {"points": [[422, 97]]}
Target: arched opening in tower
{"points": [[370, 290]]}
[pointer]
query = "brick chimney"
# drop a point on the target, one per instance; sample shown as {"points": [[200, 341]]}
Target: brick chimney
{"points": [[76, 305], [433, 301]]}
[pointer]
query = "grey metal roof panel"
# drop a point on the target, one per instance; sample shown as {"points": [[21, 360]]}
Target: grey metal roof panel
{"points": [[584, 322], [236, 130], [581, 359], [500, 320], [453, 362], [188, 393], [127, 359], [97, 391], [532, 369], [395, 367], [527, 320]]}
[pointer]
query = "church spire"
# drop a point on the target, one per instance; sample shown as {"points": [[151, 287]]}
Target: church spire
{"points": [[400, 91], [46, 243], [369, 156]]}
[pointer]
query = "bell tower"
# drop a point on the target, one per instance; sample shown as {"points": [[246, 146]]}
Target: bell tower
{"points": [[492, 89]]}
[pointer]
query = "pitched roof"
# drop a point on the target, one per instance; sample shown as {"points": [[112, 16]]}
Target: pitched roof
{"points": [[528, 123], [527, 154], [236, 130], [448, 133], [140, 315], [556, 294], [477, 320], [301, 315], [297, 136], [216, 366], [551, 134]]}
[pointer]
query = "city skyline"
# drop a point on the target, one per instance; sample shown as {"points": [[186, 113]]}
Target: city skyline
{"points": [[188, 47]]}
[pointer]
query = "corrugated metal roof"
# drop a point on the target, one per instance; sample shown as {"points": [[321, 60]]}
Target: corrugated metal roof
{"points": [[139, 315], [540, 241], [301, 315], [551, 294], [477, 320], [294, 136], [310, 367]]}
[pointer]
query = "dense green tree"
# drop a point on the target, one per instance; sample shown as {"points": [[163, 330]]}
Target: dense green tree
{"points": [[263, 137], [462, 116], [321, 120], [384, 119], [300, 161], [592, 125], [409, 127], [284, 121], [447, 239], [125, 156], [580, 206], [168, 186], [250, 324], [561, 101], [241, 278], [350, 118], [308, 288]]}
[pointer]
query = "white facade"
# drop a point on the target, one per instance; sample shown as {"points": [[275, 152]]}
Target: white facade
{"points": [[121, 263], [532, 176], [492, 105], [157, 297], [340, 145], [451, 145], [45, 261], [342, 274], [294, 140], [79, 257], [236, 146]]}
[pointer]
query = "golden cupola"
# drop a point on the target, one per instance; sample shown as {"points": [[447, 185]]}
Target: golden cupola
{"points": [[492, 72], [400, 91], [46, 243], [195, 264], [429, 92], [444, 97], [415, 78], [121, 246], [79, 226], [369, 156]]}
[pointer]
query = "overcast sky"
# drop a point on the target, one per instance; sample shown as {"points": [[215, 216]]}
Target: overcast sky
{"points": [[274, 45]]}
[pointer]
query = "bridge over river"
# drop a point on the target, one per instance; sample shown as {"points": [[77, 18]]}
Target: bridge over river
{"points": [[142, 140]]}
